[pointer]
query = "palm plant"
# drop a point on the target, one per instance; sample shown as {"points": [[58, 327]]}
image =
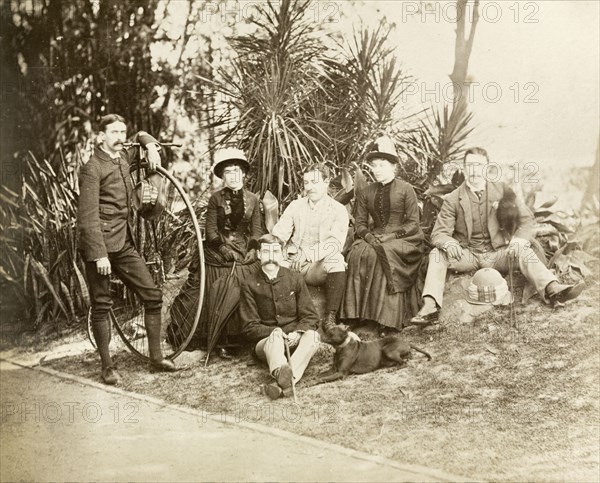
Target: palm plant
{"points": [[276, 72], [363, 90], [291, 101]]}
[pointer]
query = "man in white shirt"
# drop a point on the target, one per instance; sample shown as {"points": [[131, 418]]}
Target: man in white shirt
{"points": [[314, 229]]}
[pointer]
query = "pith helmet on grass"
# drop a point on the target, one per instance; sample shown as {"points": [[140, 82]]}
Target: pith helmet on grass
{"points": [[488, 287]]}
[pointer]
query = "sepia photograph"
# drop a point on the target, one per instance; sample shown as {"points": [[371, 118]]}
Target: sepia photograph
{"points": [[299, 240]]}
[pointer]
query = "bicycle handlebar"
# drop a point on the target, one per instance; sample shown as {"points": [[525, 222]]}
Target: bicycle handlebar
{"points": [[173, 145]]}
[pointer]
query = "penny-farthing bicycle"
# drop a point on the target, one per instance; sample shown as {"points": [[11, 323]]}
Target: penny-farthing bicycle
{"points": [[169, 243]]}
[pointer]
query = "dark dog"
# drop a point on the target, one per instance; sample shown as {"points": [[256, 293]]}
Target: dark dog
{"points": [[353, 356], [508, 213]]}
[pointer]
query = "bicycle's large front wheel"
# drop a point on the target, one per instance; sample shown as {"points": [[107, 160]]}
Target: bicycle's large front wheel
{"points": [[171, 245]]}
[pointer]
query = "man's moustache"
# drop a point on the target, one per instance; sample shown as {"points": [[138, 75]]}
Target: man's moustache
{"points": [[270, 261]]}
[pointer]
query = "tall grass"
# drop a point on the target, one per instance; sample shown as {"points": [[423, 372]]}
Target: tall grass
{"points": [[41, 272]]}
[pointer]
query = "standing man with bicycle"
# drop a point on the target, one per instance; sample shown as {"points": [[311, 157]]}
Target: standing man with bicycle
{"points": [[105, 238]]}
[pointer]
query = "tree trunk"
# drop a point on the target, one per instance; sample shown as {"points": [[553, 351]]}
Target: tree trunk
{"points": [[462, 53]]}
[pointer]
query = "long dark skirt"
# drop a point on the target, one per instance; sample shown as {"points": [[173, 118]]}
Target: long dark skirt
{"points": [[368, 296], [183, 307]]}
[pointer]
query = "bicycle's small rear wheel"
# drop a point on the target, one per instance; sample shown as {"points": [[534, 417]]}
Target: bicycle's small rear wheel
{"points": [[169, 244]]}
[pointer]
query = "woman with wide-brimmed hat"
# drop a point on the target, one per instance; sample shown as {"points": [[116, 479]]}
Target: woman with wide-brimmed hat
{"points": [[233, 225], [383, 262]]}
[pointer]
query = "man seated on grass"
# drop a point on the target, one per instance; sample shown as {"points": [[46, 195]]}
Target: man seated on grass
{"points": [[467, 236], [275, 305]]}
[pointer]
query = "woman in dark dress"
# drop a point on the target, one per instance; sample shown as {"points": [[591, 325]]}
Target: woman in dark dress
{"points": [[233, 224], [383, 262]]}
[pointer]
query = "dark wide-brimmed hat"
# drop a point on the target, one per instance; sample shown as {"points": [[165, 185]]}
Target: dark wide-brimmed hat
{"points": [[383, 148], [229, 156]]}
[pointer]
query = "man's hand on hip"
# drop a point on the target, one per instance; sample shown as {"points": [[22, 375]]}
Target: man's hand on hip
{"points": [[103, 266]]}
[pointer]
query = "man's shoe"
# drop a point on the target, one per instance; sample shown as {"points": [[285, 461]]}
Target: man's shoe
{"points": [[284, 376], [110, 376], [164, 365], [224, 353], [559, 293], [273, 391], [426, 319]]}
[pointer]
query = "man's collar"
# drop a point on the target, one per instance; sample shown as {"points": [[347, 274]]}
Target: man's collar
{"points": [[473, 190], [313, 206], [108, 154], [266, 276]]}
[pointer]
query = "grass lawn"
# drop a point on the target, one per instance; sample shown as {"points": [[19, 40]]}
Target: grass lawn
{"points": [[496, 403]]}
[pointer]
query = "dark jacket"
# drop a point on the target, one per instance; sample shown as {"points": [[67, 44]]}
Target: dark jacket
{"points": [[218, 223], [455, 220], [403, 211], [282, 302], [104, 211]]}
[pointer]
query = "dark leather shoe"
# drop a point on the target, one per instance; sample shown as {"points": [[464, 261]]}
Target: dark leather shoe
{"points": [[284, 376], [273, 391], [224, 353], [558, 293], [426, 319], [164, 365], [110, 376]]}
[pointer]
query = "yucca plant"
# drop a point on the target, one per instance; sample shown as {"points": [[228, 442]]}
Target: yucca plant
{"points": [[275, 73]]}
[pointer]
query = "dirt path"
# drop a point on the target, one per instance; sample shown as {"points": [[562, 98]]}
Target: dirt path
{"points": [[58, 428]]}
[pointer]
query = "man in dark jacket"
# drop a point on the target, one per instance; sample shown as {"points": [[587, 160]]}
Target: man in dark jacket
{"points": [[105, 240], [467, 237], [275, 305]]}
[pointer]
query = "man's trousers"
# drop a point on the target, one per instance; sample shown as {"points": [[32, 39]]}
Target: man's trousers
{"points": [[527, 261], [131, 269], [272, 350]]}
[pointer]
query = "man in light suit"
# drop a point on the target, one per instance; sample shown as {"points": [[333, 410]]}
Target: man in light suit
{"points": [[467, 237], [315, 228]]}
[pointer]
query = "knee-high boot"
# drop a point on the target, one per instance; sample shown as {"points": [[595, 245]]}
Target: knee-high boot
{"points": [[101, 331], [335, 285], [153, 326]]}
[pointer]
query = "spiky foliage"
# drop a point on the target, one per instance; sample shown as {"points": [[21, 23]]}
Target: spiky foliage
{"points": [[40, 266], [272, 78], [363, 93], [290, 100], [65, 62]]}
